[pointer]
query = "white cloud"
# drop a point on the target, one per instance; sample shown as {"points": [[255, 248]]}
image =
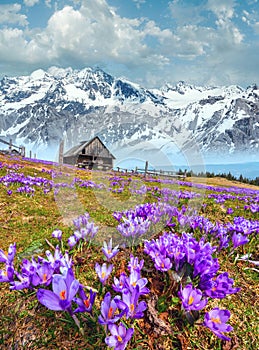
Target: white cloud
{"points": [[10, 14], [12, 45], [139, 3], [185, 13], [223, 9], [256, 27], [251, 19], [48, 3], [93, 33], [30, 3]]}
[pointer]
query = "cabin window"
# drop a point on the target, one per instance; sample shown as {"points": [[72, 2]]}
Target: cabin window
{"points": [[83, 151]]}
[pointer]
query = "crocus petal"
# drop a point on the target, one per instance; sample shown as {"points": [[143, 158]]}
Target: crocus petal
{"points": [[69, 277], [3, 257], [49, 299], [111, 341], [59, 285], [73, 289]]}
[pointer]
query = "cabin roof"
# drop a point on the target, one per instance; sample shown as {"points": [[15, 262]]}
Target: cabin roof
{"points": [[76, 150]]}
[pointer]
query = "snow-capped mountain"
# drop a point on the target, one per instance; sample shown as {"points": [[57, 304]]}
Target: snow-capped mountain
{"points": [[46, 107]]}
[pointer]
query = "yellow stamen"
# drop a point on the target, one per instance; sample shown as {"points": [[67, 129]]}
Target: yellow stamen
{"points": [[103, 274], [191, 299], [87, 302], [119, 338], [110, 312], [44, 279], [132, 307], [62, 295], [215, 320]]}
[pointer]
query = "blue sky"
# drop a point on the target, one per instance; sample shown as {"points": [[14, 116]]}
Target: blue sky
{"points": [[151, 42]]}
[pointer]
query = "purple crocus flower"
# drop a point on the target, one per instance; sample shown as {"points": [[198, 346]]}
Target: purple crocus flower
{"points": [[134, 264], [135, 280], [119, 284], [43, 274], [119, 337], [84, 303], [221, 286], [25, 277], [64, 288], [7, 274], [103, 271], [83, 230], [205, 264], [239, 239], [54, 259], [108, 310], [216, 321], [108, 251], [130, 305], [191, 298], [58, 260], [162, 263], [230, 211], [24, 281], [8, 259], [117, 215], [57, 234], [72, 241]]}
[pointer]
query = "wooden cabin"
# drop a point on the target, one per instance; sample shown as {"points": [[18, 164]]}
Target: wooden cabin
{"points": [[90, 154]]}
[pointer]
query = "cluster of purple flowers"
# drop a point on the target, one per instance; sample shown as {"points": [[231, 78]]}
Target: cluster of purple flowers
{"points": [[236, 233], [64, 290], [27, 183], [168, 195], [55, 269], [32, 273], [136, 222], [10, 166], [87, 184], [7, 274], [117, 184], [192, 264], [254, 208], [126, 304], [103, 271], [84, 230]]}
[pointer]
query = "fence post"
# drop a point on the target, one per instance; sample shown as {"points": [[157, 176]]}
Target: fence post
{"points": [[146, 168], [10, 146], [61, 151], [23, 151]]}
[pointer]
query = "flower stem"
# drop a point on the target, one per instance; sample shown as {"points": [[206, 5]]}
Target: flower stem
{"points": [[78, 324]]}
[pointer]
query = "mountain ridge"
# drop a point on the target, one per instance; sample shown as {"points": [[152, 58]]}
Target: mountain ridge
{"points": [[45, 107]]}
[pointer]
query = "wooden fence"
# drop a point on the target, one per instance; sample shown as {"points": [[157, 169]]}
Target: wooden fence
{"points": [[153, 172]]}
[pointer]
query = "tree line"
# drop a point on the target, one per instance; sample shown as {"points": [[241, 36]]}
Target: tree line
{"points": [[228, 176]]}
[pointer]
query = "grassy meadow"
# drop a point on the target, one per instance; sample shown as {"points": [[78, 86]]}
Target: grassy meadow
{"points": [[51, 196]]}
